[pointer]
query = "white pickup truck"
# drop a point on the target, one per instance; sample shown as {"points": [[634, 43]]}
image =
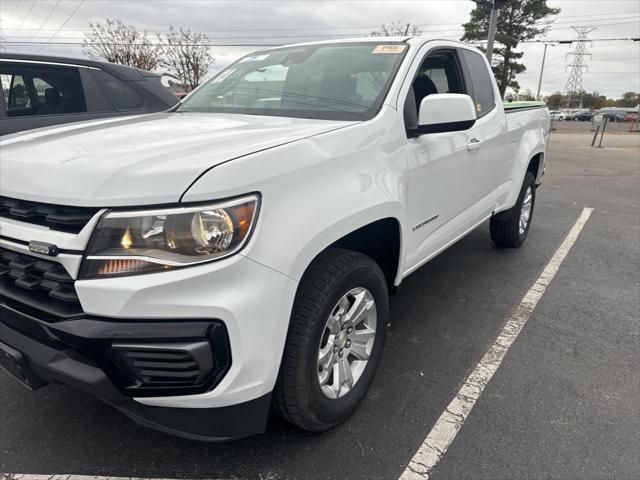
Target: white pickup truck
{"points": [[194, 268]]}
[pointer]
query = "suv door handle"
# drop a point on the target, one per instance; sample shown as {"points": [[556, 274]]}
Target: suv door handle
{"points": [[474, 144]]}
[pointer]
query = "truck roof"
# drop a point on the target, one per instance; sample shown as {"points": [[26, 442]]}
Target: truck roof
{"points": [[375, 39]]}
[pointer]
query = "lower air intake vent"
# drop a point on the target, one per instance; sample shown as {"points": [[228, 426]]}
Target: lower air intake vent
{"points": [[174, 364]]}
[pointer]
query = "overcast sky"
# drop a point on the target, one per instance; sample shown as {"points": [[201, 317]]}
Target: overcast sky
{"points": [[58, 27]]}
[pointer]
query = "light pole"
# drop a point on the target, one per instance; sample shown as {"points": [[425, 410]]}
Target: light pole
{"points": [[493, 21], [492, 7], [544, 57]]}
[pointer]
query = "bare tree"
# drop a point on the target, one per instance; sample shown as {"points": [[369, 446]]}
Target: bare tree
{"points": [[395, 29], [116, 42], [186, 55]]}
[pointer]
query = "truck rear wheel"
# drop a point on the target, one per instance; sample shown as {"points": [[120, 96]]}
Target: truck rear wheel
{"points": [[509, 229], [335, 340]]}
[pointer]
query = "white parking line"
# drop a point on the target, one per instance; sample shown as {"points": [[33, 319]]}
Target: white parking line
{"points": [[447, 426], [20, 476]]}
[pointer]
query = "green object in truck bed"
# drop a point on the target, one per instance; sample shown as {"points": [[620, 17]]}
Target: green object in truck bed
{"points": [[522, 105]]}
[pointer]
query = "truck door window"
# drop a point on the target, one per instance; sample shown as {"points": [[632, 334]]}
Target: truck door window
{"points": [[438, 73], [481, 81], [41, 90]]}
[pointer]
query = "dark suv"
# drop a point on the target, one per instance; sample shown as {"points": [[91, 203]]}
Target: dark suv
{"points": [[38, 91]]}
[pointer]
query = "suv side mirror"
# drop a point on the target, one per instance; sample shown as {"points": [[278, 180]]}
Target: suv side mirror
{"points": [[445, 112]]}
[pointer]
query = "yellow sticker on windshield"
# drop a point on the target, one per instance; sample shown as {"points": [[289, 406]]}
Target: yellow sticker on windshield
{"points": [[394, 48]]}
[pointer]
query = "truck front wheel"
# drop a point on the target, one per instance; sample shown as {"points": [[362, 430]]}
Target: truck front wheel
{"points": [[510, 228], [335, 340]]}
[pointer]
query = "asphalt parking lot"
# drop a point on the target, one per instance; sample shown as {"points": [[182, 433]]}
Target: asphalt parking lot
{"points": [[565, 403]]}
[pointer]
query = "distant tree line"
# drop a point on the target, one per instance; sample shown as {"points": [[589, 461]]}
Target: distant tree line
{"points": [[594, 100], [181, 53]]}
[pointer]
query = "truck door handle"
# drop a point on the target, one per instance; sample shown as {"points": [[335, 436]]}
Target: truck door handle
{"points": [[474, 144]]}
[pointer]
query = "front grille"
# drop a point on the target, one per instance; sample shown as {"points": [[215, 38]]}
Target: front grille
{"points": [[57, 217], [36, 284]]}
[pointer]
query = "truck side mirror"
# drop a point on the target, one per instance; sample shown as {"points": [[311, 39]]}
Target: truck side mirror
{"points": [[445, 112]]}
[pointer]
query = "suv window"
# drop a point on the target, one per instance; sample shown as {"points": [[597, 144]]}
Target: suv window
{"points": [[41, 90], [18, 96], [121, 95], [481, 81], [40, 86]]}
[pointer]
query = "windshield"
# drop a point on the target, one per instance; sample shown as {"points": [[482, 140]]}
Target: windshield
{"points": [[336, 82]]}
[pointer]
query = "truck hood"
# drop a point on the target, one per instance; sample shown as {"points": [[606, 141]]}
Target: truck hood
{"points": [[140, 160]]}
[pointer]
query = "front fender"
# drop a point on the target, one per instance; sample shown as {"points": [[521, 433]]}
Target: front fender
{"points": [[315, 190]]}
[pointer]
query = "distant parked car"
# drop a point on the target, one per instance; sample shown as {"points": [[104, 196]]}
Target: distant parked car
{"points": [[583, 117], [556, 115], [611, 115], [39, 91], [570, 115], [628, 117]]}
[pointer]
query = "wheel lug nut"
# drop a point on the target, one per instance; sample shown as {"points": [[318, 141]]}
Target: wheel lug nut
{"points": [[340, 353], [348, 344], [335, 348], [350, 329]]}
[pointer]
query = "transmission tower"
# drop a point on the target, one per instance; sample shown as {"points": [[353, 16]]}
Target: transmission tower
{"points": [[573, 90]]}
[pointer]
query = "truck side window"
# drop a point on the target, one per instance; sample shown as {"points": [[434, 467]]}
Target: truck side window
{"points": [[438, 73], [481, 81], [41, 90]]}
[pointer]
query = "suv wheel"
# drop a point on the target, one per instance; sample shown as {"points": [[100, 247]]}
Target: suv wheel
{"points": [[335, 340]]}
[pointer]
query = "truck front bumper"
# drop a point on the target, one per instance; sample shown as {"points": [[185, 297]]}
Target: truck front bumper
{"points": [[193, 352], [79, 353]]}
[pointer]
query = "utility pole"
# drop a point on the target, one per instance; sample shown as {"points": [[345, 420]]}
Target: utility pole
{"points": [[544, 57], [493, 21], [491, 7]]}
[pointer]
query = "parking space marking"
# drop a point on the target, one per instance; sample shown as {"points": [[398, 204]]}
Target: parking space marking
{"points": [[448, 425], [20, 476]]}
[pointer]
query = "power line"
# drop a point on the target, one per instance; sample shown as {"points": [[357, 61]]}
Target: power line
{"points": [[613, 16], [275, 44], [33, 3], [63, 24], [458, 32], [45, 20]]}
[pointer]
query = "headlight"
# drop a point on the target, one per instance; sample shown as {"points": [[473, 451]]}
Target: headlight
{"points": [[149, 241]]}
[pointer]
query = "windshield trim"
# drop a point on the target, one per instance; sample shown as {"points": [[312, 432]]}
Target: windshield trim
{"points": [[337, 115]]}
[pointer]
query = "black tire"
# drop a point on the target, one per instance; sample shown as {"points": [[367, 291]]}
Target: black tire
{"points": [[297, 396], [505, 226]]}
